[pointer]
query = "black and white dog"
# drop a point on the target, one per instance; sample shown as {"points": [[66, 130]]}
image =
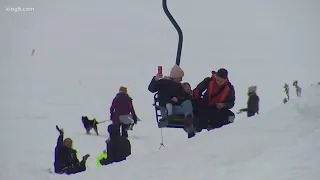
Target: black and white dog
{"points": [[90, 124]]}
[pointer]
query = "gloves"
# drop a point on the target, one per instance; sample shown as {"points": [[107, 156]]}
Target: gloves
{"points": [[85, 157], [59, 130], [135, 118]]}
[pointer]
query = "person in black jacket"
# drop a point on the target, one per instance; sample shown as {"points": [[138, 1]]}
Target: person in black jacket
{"points": [[118, 147], [172, 97], [214, 105], [253, 102], [65, 159]]}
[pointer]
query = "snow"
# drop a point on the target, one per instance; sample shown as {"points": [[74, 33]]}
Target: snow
{"points": [[279, 145], [84, 51]]}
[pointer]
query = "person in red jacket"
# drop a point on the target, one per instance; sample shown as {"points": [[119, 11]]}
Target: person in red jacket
{"points": [[213, 107], [122, 111]]}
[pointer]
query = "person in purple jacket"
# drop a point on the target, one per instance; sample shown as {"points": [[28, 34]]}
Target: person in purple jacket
{"points": [[122, 111]]}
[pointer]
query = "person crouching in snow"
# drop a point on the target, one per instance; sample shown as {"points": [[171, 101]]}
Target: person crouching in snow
{"points": [[121, 109], [172, 97], [65, 157], [253, 102], [118, 147]]}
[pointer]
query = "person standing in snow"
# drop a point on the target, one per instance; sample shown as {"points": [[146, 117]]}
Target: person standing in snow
{"points": [[172, 97], [253, 102], [214, 105], [122, 111], [286, 90], [65, 157], [298, 88], [118, 147]]}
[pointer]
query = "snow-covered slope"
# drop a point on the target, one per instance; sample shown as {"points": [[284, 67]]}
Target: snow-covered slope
{"points": [[280, 145], [85, 50]]}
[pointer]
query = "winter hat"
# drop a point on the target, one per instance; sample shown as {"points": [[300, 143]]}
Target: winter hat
{"points": [[223, 73], [252, 89], [176, 72], [113, 130], [123, 89]]}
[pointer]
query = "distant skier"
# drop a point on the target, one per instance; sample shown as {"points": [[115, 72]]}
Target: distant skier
{"points": [[286, 90], [122, 111], [298, 88], [65, 158], [253, 102]]}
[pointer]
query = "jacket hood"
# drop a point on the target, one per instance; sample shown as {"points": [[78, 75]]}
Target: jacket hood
{"points": [[124, 94], [113, 130]]}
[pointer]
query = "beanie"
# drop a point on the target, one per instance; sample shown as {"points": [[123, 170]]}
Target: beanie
{"points": [[223, 73], [176, 72]]}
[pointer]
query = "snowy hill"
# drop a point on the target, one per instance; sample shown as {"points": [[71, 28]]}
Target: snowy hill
{"points": [[282, 144], [84, 51]]}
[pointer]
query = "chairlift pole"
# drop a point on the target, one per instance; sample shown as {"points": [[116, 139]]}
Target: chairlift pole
{"points": [[175, 24]]}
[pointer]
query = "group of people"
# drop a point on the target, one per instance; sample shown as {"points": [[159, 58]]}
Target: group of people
{"points": [[287, 91], [207, 106], [118, 148], [67, 162]]}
